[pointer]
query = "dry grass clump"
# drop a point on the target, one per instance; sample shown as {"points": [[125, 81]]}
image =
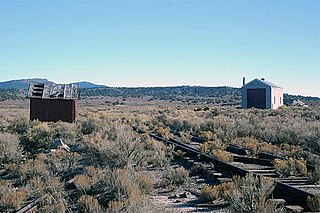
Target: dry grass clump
{"points": [[19, 125], [120, 188], [38, 138], [175, 177], [61, 161], [40, 186], [10, 149], [68, 132], [250, 194], [222, 155], [207, 135], [163, 132], [254, 146], [89, 124], [118, 146], [215, 148], [88, 204], [11, 198], [83, 182], [211, 193], [314, 203], [145, 183], [158, 154], [34, 167], [290, 167]]}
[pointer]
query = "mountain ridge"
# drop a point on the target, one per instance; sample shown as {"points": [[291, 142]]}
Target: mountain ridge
{"points": [[24, 83]]}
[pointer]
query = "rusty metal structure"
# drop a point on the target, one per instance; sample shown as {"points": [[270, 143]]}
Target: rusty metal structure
{"points": [[53, 102]]}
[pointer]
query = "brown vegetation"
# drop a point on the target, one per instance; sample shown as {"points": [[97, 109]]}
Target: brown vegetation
{"points": [[108, 168]]}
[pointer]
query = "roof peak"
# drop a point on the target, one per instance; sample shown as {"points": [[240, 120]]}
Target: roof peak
{"points": [[268, 83]]}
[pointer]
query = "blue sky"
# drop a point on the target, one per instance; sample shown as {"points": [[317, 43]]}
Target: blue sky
{"points": [[163, 42]]}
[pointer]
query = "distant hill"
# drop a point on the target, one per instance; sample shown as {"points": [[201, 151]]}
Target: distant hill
{"points": [[24, 83], [21, 83], [190, 94], [224, 95], [86, 84]]}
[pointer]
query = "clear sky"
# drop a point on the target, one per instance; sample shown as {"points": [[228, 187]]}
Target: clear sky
{"points": [[163, 42]]}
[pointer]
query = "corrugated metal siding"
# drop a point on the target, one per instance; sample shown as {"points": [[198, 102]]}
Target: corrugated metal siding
{"points": [[52, 110]]}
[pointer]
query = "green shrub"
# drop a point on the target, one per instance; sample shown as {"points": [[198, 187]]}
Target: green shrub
{"points": [[314, 203], [89, 125], [38, 138], [19, 125]]}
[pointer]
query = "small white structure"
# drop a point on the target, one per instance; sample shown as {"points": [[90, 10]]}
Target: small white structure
{"points": [[261, 94]]}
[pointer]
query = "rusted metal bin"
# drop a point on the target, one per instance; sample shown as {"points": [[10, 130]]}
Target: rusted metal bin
{"points": [[53, 102]]}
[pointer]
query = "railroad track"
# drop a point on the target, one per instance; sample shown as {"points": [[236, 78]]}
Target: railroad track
{"points": [[288, 189]]}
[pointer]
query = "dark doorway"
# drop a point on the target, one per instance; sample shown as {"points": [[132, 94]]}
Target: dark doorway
{"points": [[256, 98]]}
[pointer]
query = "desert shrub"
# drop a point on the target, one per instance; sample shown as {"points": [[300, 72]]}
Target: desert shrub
{"points": [[53, 208], [88, 204], [94, 173], [89, 125], [158, 154], [200, 168], [249, 143], [254, 146], [39, 137], [56, 195], [145, 183], [250, 194], [314, 203], [163, 132], [61, 161], [208, 135], [209, 146], [211, 193], [11, 198], [10, 149], [222, 155], [119, 185], [314, 176], [34, 167], [39, 186], [175, 177], [290, 167], [121, 147], [19, 125], [179, 154], [269, 148], [68, 132], [215, 148], [83, 182], [116, 206]]}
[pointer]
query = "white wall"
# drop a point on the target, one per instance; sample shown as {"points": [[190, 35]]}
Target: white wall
{"points": [[277, 97]]}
